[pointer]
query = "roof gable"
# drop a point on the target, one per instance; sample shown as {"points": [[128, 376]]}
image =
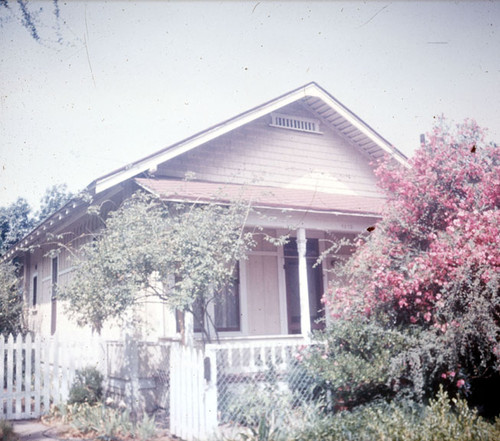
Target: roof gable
{"points": [[312, 96]]}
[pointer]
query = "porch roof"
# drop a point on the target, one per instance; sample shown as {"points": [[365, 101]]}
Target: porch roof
{"points": [[261, 196]]}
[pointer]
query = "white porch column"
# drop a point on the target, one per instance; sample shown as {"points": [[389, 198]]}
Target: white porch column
{"points": [[305, 316]]}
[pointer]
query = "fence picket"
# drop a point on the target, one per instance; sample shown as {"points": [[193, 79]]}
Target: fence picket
{"points": [[10, 375], [38, 389], [27, 377], [46, 375]]}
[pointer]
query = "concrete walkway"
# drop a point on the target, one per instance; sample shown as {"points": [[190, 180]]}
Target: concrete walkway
{"points": [[32, 430]]}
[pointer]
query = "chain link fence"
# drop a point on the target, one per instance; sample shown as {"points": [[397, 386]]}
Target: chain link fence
{"points": [[255, 377]]}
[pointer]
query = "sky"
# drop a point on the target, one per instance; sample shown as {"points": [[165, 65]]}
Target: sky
{"points": [[110, 82]]}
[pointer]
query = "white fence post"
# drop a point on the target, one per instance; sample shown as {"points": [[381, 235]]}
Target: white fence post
{"points": [[211, 420], [38, 375], [10, 375], [27, 377]]}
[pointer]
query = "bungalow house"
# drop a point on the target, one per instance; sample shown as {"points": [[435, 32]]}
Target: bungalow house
{"points": [[303, 159]]}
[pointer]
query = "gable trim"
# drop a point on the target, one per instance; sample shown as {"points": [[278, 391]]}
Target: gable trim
{"points": [[309, 90]]}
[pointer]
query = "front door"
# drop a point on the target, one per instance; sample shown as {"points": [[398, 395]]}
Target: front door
{"points": [[315, 284]]}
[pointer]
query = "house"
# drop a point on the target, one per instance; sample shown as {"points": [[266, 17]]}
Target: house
{"points": [[302, 158]]}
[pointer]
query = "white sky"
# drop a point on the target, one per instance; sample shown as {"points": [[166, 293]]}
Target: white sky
{"points": [[132, 77]]}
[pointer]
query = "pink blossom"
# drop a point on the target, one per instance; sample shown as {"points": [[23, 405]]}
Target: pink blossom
{"points": [[460, 383]]}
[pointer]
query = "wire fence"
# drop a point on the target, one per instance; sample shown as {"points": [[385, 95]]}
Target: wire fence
{"points": [[253, 377]]}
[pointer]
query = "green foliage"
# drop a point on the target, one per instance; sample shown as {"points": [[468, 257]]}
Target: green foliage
{"points": [[7, 431], [10, 300], [105, 422], [53, 199], [406, 420], [102, 421], [358, 361], [263, 410], [254, 403], [380, 421], [15, 223], [146, 428], [17, 219], [87, 387], [176, 253]]}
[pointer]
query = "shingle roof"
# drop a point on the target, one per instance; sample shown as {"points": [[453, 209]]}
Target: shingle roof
{"points": [[261, 196]]}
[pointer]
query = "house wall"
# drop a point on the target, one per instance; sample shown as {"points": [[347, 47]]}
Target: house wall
{"points": [[259, 154], [71, 234]]}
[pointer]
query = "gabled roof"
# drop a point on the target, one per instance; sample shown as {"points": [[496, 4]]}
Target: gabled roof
{"points": [[320, 102], [314, 98], [262, 197]]}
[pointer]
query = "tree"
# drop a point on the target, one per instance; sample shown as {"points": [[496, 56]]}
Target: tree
{"points": [[28, 15], [430, 268], [10, 300], [53, 199], [17, 219], [15, 223], [181, 254]]}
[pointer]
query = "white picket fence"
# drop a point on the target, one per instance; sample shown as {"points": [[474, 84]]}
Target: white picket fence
{"points": [[193, 393], [36, 373]]}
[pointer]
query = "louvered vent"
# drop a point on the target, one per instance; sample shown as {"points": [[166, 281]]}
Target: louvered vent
{"points": [[292, 122]]}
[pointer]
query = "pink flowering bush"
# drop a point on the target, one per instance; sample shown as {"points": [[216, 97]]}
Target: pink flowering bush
{"points": [[431, 265]]}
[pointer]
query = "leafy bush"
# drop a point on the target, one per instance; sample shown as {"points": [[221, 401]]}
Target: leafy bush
{"points": [[103, 421], [359, 361], [7, 431], [87, 387], [441, 420]]}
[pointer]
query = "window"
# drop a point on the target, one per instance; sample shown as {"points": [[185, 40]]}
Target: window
{"points": [[225, 310], [34, 290], [227, 306]]}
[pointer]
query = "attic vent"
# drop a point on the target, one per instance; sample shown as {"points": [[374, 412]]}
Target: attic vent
{"points": [[292, 122]]}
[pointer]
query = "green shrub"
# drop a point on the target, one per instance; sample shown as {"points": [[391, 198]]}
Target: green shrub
{"points": [[103, 421], [440, 420], [146, 429], [87, 387], [7, 431], [356, 361]]}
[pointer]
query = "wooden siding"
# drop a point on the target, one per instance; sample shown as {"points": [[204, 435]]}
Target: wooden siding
{"points": [[264, 155]]}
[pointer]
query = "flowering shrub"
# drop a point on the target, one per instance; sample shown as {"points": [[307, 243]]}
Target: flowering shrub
{"points": [[432, 262]]}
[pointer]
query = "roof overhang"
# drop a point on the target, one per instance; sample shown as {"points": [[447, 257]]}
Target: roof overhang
{"points": [[262, 197]]}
